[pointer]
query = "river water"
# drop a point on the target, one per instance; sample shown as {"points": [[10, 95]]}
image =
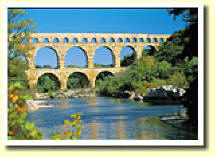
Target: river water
{"points": [[110, 118]]}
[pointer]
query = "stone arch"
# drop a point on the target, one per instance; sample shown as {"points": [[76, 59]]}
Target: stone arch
{"points": [[75, 40], [149, 50], [101, 76], [49, 48], [112, 40], [93, 40], [154, 40], [127, 40], [131, 54], [45, 40], [134, 40], [119, 40], [104, 56], [35, 41], [65, 40], [102, 40], [148, 40], [79, 50], [55, 40], [54, 77], [78, 80], [84, 40], [161, 40], [141, 40], [25, 41]]}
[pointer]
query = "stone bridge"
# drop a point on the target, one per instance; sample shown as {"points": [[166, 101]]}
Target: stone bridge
{"points": [[88, 42]]}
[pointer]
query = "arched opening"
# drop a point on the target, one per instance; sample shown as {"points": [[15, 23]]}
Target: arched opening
{"points": [[112, 40], [160, 40], [149, 50], [127, 40], [75, 40], [127, 56], [155, 40], [45, 40], [133, 40], [48, 82], [46, 57], [65, 40], [102, 40], [77, 80], [140, 40], [104, 58], [76, 57], [35, 40], [102, 76], [25, 41], [148, 40], [93, 40], [84, 40], [119, 40], [55, 40]]}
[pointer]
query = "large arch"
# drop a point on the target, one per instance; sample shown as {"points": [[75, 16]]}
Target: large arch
{"points": [[46, 57], [101, 76], [104, 57], [149, 50], [76, 56], [47, 82], [127, 55], [77, 80]]}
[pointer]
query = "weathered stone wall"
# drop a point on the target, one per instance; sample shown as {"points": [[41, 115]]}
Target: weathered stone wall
{"points": [[89, 48]]}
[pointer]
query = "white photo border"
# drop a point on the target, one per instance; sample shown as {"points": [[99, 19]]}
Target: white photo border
{"points": [[199, 142]]}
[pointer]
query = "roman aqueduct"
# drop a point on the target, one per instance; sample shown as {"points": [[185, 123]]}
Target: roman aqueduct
{"points": [[64, 41]]}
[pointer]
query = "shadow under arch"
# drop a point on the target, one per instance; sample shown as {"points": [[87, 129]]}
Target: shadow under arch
{"points": [[77, 80], [128, 55], [46, 58], [48, 82], [102, 75], [104, 57], [79, 59]]}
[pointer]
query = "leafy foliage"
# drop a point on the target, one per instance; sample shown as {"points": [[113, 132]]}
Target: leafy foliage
{"points": [[77, 80], [47, 83], [72, 129]]}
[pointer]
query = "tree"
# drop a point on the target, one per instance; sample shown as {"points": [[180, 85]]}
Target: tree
{"points": [[19, 29]]}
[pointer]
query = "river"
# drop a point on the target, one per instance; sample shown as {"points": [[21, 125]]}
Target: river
{"points": [[110, 118]]}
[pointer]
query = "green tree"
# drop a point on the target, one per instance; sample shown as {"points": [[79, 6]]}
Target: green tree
{"points": [[77, 80], [48, 83], [128, 60]]}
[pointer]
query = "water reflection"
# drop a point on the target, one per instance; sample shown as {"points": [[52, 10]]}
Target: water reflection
{"points": [[108, 118]]}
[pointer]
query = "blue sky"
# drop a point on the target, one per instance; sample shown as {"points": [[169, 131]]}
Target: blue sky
{"points": [[153, 21]]}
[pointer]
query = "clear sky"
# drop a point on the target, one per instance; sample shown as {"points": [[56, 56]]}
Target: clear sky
{"points": [[153, 21]]}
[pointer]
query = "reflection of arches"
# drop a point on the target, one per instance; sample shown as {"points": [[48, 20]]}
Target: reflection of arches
{"points": [[104, 56], [102, 75], [48, 82], [47, 56], [76, 56], [77, 80], [127, 55]]}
